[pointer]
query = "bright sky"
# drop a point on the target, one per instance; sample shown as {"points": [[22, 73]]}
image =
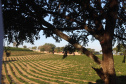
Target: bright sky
{"points": [[94, 45]]}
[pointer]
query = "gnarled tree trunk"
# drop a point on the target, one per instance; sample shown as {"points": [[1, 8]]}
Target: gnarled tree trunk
{"points": [[107, 71], [108, 64]]}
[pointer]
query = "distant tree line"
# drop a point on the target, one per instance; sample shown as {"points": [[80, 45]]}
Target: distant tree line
{"points": [[47, 47], [68, 49], [59, 49], [120, 48], [34, 47]]}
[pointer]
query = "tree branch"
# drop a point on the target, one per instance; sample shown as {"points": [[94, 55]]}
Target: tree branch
{"points": [[40, 10], [65, 37], [73, 42], [120, 37], [77, 46], [63, 29]]}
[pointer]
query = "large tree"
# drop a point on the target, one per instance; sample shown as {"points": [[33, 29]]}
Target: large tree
{"points": [[71, 20]]}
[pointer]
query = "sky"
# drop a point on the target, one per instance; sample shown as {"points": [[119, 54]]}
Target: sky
{"points": [[94, 45]]}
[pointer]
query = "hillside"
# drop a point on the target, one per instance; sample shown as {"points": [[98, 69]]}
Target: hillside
{"points": [[19, 51]]}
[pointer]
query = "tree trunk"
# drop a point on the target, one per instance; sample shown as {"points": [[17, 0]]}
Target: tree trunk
{"points": [[107, 72], [123, 59], [65, 54], [108, 63]]}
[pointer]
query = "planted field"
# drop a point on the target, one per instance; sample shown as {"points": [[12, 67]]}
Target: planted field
{"points": [[19, 51], [52, 69]]}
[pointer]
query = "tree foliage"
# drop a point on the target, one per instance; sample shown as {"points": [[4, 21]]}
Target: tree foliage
{"points": [[72, 20], [15, 44], [59, 49], [69, 48], [91, 50], [120, 48], [88, 17], [47, 47], [35, 47], [24, 46], [7, 51]]}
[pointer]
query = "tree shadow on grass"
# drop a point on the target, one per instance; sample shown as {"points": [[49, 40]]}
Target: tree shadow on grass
{"points": [[10, 60], [119, 80]]}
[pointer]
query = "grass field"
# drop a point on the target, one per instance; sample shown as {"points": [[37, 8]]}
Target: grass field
{"points": [[41, 68], [20, 52]]}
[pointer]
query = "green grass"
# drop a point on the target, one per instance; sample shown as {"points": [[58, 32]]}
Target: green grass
{"points": [[28, 77], [17, 49], [16, 76], [20, 52], [74, 67], [8, 78]]}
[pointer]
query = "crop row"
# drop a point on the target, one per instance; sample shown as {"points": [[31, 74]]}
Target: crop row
{"points": [[36, 70]]}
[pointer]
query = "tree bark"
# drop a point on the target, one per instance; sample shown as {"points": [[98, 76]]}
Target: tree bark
{"points": [[108, 61], [123, 59], [108, 68], [65, 54], [107, 71]]}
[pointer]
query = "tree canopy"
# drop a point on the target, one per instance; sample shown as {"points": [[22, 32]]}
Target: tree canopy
{"points": [[120, 48], [71, 20], [69, 48], [47, 47], [59, 49], [24, 19], [24, 46], [35, 47]]}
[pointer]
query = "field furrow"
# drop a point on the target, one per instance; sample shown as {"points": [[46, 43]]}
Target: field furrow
{"points": [[52, 69], [10, 73], [48, 73], [20, 76], [4, 78], [26, 72], [47, 76]]}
